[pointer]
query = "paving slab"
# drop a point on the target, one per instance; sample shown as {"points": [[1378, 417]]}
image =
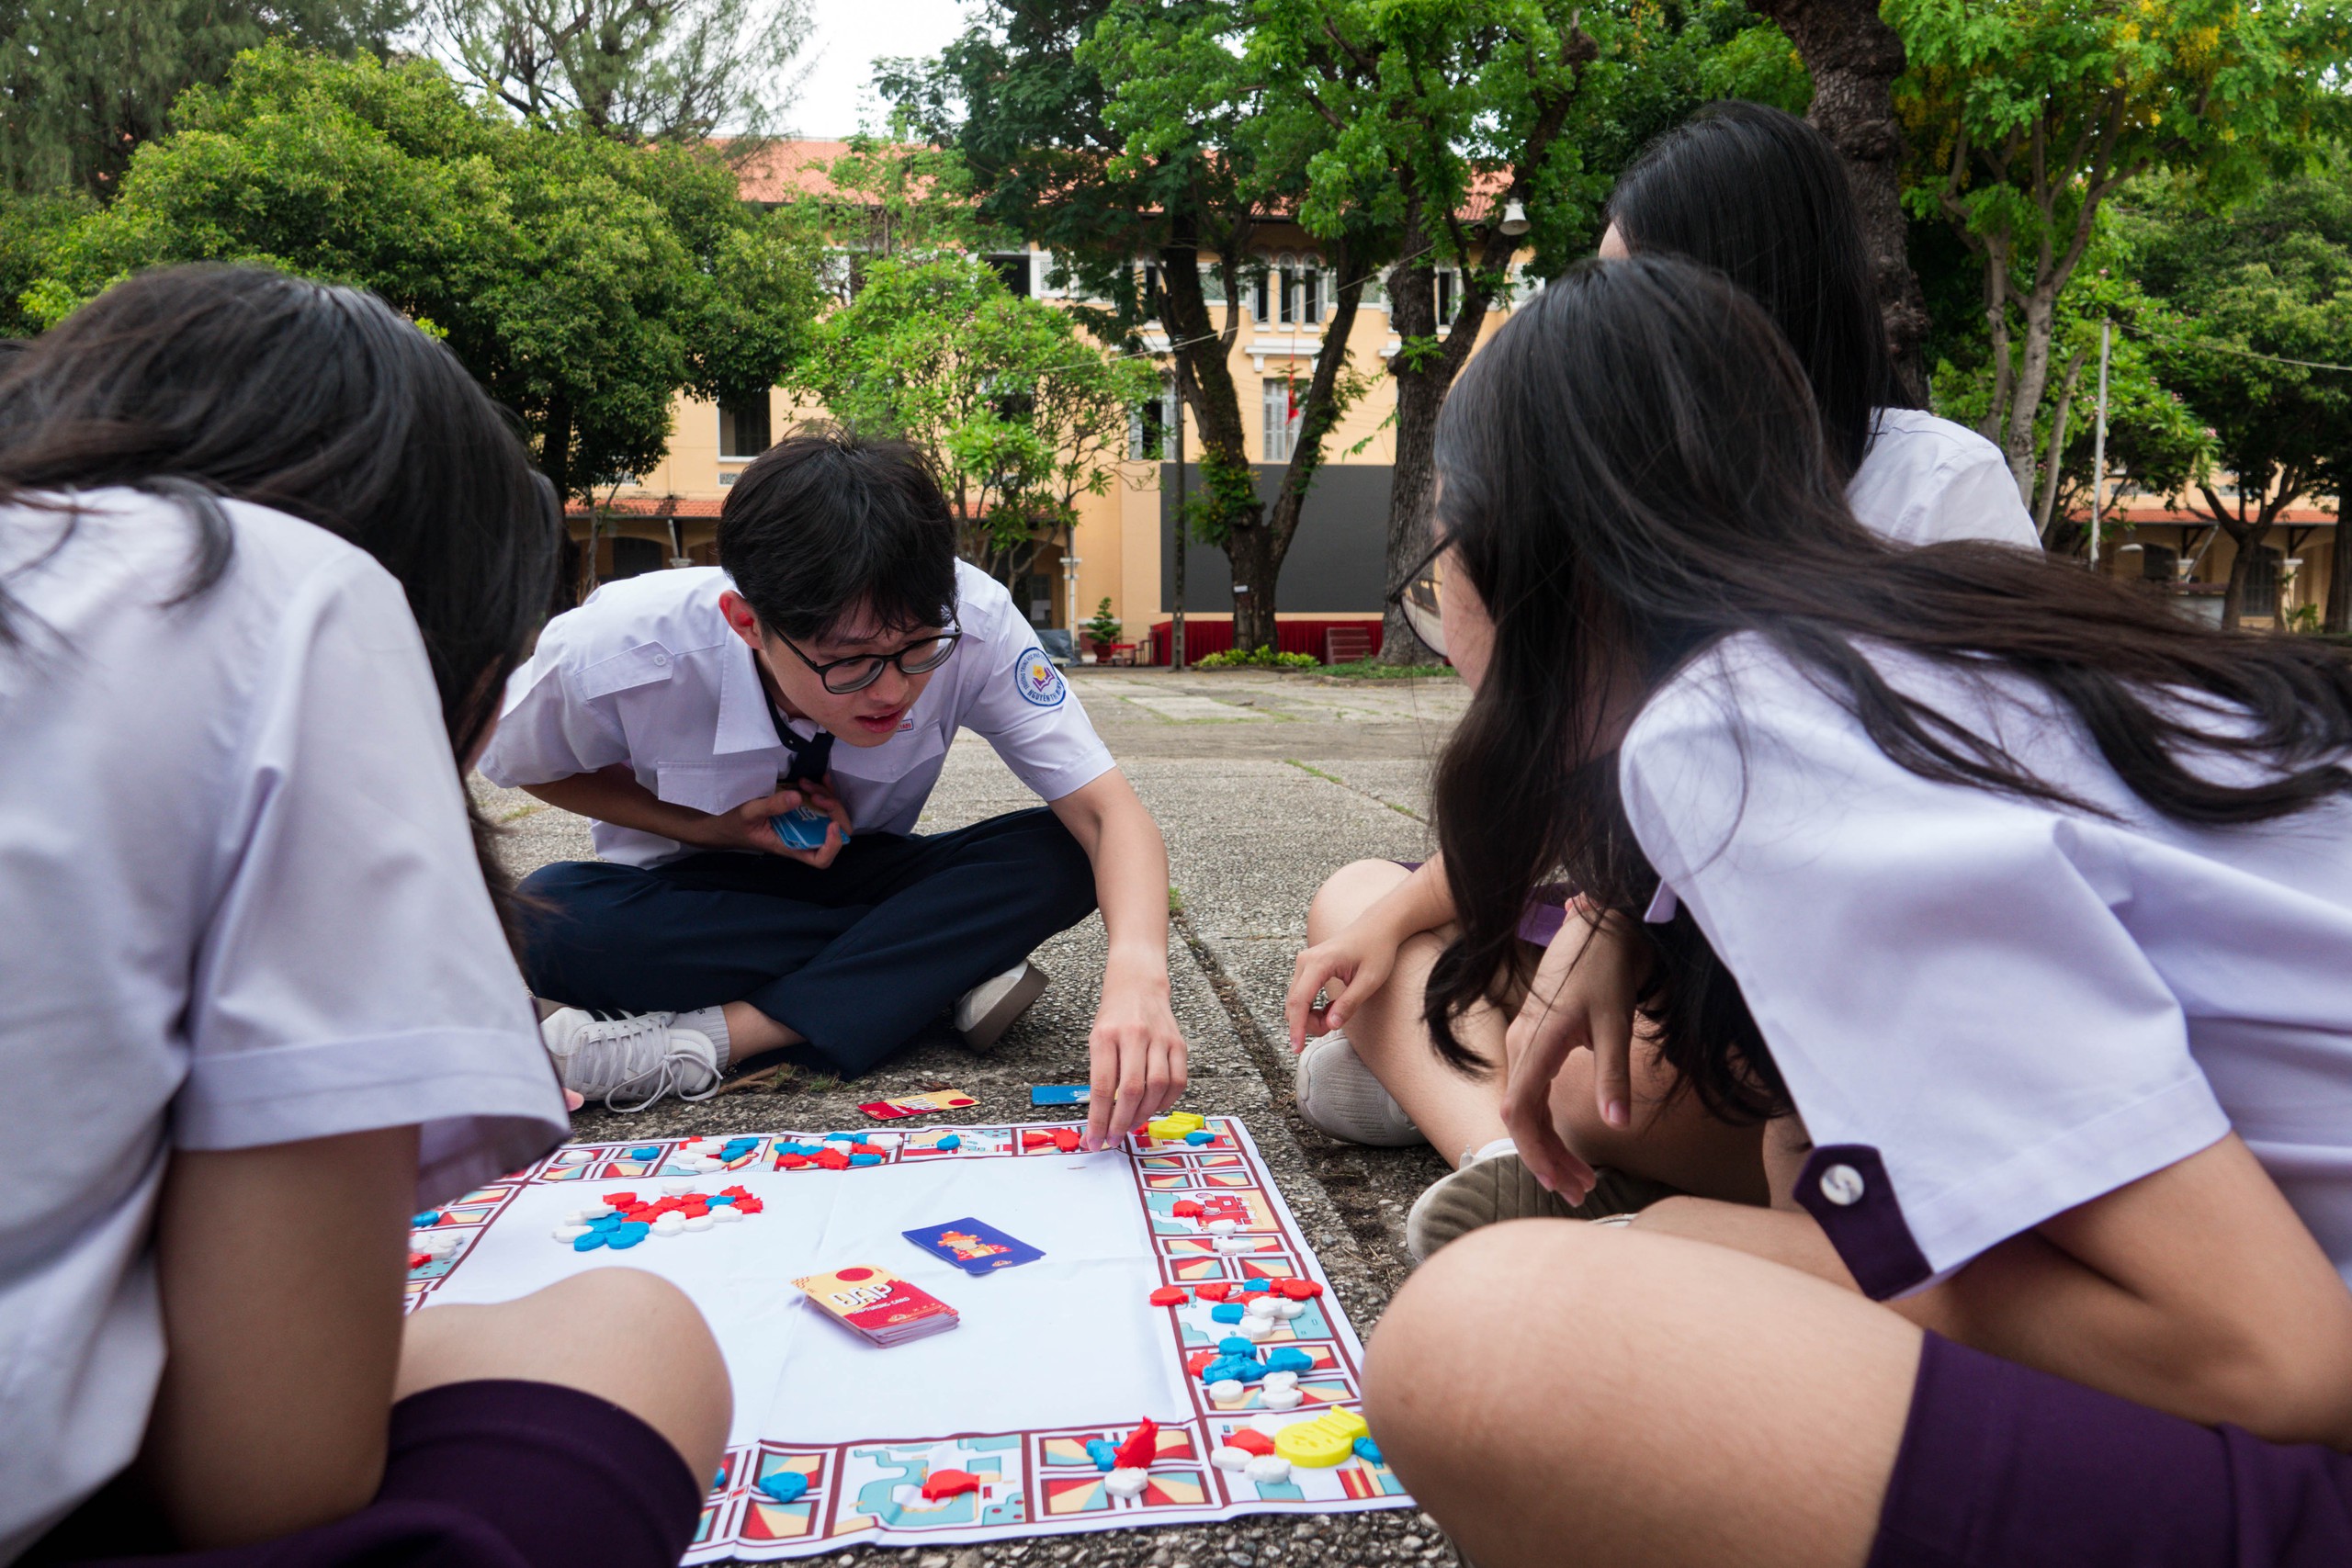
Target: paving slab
{"points": [[1256, 813]]}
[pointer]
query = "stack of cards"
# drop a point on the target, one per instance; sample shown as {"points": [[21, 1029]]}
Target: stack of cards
{"points": [[972, 1246], [878, 1304]]}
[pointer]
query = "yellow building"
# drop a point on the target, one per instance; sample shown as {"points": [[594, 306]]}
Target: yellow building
{"points": [[1124, 540]]}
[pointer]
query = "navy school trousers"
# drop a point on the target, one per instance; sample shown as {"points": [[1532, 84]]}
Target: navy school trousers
{"points": [[859, 957]]}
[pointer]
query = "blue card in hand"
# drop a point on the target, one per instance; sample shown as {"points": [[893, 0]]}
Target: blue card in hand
{"points": [[802, 828], [972, 1246]]}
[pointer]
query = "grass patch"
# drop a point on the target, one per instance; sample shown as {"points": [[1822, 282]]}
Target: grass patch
{"points": [[1372, 669], [1175, 899], [1311, 768], [522, 811]]}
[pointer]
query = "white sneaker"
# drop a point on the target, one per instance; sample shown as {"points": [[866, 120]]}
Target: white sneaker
{"points": [[1337, 1094], [644, 1055], [988, 1010]]}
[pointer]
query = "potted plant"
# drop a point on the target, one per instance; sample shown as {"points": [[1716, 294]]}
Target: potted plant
{"points": [[1103, 631]]}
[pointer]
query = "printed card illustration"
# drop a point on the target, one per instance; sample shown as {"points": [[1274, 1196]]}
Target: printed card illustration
{"points": [[919, 1104], [802, 828], [1037, 681], [974, 1247], [879, 1305]]}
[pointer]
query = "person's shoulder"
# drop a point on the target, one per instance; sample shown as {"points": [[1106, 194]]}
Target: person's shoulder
{"points": [[1916, 435], [984, 607], [676, 607], [1926, 481]]}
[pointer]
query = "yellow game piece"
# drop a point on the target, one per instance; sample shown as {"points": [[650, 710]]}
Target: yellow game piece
{"points": [[1172, 1128], [1323, 1442]]}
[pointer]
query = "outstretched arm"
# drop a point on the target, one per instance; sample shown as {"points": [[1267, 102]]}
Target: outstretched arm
{"points": [[1137, 1051]]}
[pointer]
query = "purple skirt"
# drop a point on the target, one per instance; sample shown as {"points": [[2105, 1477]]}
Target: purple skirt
{"points": [[1543, 916], [487, 1474], [2005, 1467]]}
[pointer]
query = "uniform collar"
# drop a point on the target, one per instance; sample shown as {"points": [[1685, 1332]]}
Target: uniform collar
{"points": [[744, 722]]}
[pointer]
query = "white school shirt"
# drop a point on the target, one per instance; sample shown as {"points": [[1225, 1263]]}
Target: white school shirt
{"points": [[648, 672], [239, 906], [1926, 481], [1990, 1009]]}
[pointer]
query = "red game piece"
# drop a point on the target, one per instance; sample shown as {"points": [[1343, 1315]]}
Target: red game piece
{"points": [[738, 1191], [1196, 1361], [1215, 1290], [1250, 1440], [792, 1162], [1035, 1140], [419, 1259], [749, 1206], [620, 1199], [1066, 1139], [833, 1160], [1299, 1290], [1187, 1209], [1169, 1297], [1141, 1447], [948, 1483]]}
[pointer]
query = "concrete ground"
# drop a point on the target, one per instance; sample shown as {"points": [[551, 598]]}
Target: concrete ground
{"points": [[1263, 784]]}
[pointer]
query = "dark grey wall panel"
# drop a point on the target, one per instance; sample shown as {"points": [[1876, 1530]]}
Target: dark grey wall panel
{"points": [[1335, 561]]}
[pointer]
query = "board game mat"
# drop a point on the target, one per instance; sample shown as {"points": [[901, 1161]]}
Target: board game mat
{"points": [[1048, 1356]]}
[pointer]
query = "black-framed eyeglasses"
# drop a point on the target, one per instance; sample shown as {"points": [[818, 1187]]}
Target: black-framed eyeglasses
{"points": [[1421, 597], [842, 676]]}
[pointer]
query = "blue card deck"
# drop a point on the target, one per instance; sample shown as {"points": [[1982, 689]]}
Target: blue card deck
{"points": [[972, 1246]]}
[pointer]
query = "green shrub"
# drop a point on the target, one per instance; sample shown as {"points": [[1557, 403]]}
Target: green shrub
{"points": [[1257, 659]]}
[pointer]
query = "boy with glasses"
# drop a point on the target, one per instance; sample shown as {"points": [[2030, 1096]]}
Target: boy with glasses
{"points": [[823, 668]]}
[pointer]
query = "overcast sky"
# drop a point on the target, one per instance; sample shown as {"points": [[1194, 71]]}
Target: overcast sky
{"points": [[850, 34]]}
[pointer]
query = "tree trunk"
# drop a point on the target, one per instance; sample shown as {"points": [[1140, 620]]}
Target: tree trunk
{"points": [[1205, 381], [1412, 315], [2057, 452], [1315, 418], [1854, 59], [2034, 380], [555, 461], [2233, 595]]}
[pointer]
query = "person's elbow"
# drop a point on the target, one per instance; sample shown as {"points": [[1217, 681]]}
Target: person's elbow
{"points": [[2282, 1386]]}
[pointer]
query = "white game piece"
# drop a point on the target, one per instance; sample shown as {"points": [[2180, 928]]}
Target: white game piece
{"points": [[1230, 1458], [701, 1221], [678, 1189], [1222, 1227], [581, 1217], [1268, 1468], [1127, 1483], [1272, 1381], [1286, 1311], [708, 1163], [882, 1140], [1281, 1398], [1259, 1305], [727, 1213], [1254, 1328], [570, 1233], [1224, 1391], [670, 1224], [1231, 1244]]}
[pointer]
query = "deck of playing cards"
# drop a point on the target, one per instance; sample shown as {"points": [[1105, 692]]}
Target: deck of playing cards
{"points": [[879, 1305]]}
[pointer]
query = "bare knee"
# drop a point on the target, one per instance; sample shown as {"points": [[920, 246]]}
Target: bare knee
{"points": [[620, 1334], [1348, 892]]}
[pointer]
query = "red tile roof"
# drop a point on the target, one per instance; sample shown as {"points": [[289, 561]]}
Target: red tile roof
{"points": [[648, 506]]}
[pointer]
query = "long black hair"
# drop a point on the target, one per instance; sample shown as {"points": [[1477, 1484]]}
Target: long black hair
{"points": [[321, 403], [1763, 197], [1633, 470]]}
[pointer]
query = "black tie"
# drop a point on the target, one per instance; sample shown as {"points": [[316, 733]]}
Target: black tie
{"points": [[812, 759]]}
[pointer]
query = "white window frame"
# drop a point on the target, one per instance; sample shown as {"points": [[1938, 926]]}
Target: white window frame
{"points": [[1281, 425]]}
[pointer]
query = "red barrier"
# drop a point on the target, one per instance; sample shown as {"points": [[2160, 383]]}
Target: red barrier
{"points": [[1290, 637]]}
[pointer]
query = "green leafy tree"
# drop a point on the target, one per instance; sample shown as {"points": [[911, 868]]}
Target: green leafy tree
{"points": [[674, 70], [2023, 116], [2239, 298], [1019, 414], [30, 228], [885, 197], [581, 281], [83, 86]]}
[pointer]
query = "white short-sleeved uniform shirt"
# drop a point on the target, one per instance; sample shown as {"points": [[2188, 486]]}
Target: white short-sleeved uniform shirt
{"points": [[1927, 481], [648, 672], [1990, 1009], [239, 906]]}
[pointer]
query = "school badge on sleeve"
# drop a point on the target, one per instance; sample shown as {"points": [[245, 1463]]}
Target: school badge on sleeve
{"points": [[1037, 678]]}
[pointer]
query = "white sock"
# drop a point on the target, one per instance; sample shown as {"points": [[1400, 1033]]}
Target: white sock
{"points": [[1499, 1146], [710, 1022]]}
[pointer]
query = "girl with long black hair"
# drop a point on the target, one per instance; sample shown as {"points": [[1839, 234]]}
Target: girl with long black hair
{"points": [[267, 556], [2021, 907], [1762, 197]]}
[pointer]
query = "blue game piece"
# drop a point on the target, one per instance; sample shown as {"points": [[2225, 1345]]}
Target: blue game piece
{"points": [[841, 1137], [786, 1486], [1197, 1136], [1289, 1360], [626, 1235], [1227, 1312], [430, 1217], [591, 1242], [718, 1200], [866, 1159], [1255, 1287], [719, 1480], [650, 1151], [1105, 1455], [950, 1141], [1236, 1346], [1368, 1451]]}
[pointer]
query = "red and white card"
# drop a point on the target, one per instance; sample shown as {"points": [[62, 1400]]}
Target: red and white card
{"points": [[879, 1305]]}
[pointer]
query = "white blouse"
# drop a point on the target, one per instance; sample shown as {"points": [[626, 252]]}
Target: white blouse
{"points": [[1925, 480]]}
